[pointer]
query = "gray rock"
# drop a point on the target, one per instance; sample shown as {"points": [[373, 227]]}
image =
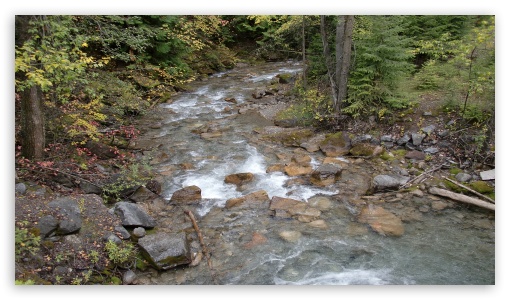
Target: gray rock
{"points": [[139, 232], [428, 129], [387, 138], [165, 251], [47, 225], [110, 236], [415, 154], [488, 175], [431, 150], [417, 138], [71, 216], [403, 140], [20, 188], [444, 133], [123, 232], [128, 277], [463, 177], [326, 174], [388, 182], [133, 216], [89, 188], [365, 138]]}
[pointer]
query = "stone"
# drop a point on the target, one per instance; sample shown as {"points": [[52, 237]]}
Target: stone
{"points": [[102, 151], [365, 138], [132, 215], [257, 239], [439, 205], [403, 140], [387, 138], [388, 182], [295, 208], [124, 234], [47, 225], [294, 169], [231, 100], [365, 149], [381, 221], [71, 220], [89, 188], [321, 224], [239, 178], [258, 94], [20, 188], [313, 144], [488, 175], [154, 186], [110, 236], [428, 129], [128, 277], [320, 202], [258, 199], [326, 174], [187, 194], [415, 154], [417, 138], [417, 193], [337, 144], [139, 232], [165, 251], [276, 168], [143, 194], [290, 236], [463, 177], [431, 150]]}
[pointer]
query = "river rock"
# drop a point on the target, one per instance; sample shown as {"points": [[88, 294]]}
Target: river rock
{"points": [[258, 199], [154, 186], [294, 208], [439, 205], [320, 202], [165, 251], [388, 182], [133, 215], [239, 178], [381, 220], [325, 175], [337, 144], [187, 194], [294, 169], [313, 144], [257, 239], [321, 224], [290, 236]]}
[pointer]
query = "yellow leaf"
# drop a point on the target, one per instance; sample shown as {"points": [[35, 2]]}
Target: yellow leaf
{"points": [[84, 44]]}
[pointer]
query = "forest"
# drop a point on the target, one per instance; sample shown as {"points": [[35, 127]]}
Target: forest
{"points": [[83, 81]]}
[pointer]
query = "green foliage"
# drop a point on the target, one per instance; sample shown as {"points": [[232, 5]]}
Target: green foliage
{"points": [[120, 255], [25, 241], [26, 282], [381, 63], [133, 175]]}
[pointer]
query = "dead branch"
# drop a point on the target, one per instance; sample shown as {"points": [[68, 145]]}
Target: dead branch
{"points": [[202, 243], [471, 190], [462, 198], [419, 176]]}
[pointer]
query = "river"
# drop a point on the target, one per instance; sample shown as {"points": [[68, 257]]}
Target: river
{"points": [[452, 246]]}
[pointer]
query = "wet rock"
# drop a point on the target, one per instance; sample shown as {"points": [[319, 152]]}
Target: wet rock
{"points": [[439, 205], [344, 163], [258, 199], [415, 154], [258, 94], [165, 251], [290, 236], [424, 208], [295, 169], [239, 178], [257, 239], [187, 194], [463, 177], [294, 208], [210, 135], [381, 220], [326, 174], [132, 215], [276, 168], [337, 144], [313, 144], [320, 202], [143, 194], [231, 100], [388, 182], [321, 224]]}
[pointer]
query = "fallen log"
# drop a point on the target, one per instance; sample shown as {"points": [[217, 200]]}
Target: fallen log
{"points": [[462, 198]]}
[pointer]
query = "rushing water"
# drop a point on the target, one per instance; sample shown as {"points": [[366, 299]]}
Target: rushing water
{"points": [[454, 246]]}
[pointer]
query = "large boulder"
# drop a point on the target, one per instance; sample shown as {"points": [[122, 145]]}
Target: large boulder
{"points": [[381, 221], [258, 199], [143, 194], [133, 215], [337, 144], [325, 175], [165, 251], [187, 194], [388, 182]]}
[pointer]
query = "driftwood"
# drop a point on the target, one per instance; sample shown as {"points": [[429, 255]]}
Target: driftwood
{"points": [[462, 198], [202, 243], [471, 190]]}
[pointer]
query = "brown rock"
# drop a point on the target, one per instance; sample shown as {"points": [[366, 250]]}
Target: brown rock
{"points": [[187, 194], [239, 178], [321, 224], [326, 174], [276, 168], [337, 144], [258, 199], [294, 169], [294, 208], [256, 240], [439, 205], [381, 220], [415, 154]]}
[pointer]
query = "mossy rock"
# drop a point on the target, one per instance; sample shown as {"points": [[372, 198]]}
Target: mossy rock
{"points": [[336, 144], [387, 156], [482, 187], [292, 138], [362, 149], [115, 280], [455, 171], [145, 82], [284, 78]]}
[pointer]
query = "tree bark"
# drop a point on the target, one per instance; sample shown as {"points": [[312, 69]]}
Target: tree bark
{"points": [[462, 198], [304, 51], [328, 60], [345, 63]]}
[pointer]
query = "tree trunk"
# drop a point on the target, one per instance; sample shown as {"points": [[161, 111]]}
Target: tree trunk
{"points": [[340, 39], [32, 123], [328, 60], [345, 62], [304, 52]]}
